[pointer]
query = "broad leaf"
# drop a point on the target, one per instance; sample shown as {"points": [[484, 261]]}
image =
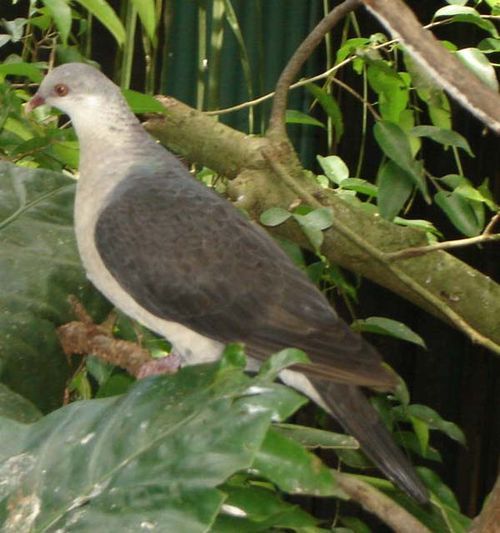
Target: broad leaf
{"points": [[331, 107], [61, 13], [143, 103], [146, 12], [40, 268], [106, 15], [153, 456], [460, 212], [317, 438], [334, 168], [396, 146], [16, 407], [298, 117], [293, 469], [387, 326], [443, 136], [394, 189], [274, 216], [433, 419], [480, 65]]}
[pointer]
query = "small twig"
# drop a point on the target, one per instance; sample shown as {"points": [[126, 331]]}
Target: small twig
{"points": [[277, 120], [318, 77], [354, 93], [377, 503], [491, 224], [446, 245]]}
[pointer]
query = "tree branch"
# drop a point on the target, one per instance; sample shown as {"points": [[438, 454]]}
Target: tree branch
{"points": [[488, 520], [446, 245], [439, 283], [443, 66], [276, 128], [380, 505]]}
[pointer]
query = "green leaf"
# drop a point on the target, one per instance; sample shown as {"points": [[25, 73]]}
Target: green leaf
{"points": [[460, 212], [320, 218], [298, 117], [313, 224], [409, 441], [334, 168], [354, 524], [125, 460], [40, 268], [489, 45], [30, 71], [396, 146], [350, 46], [143, 103], [147, 15], [442, 136], [331, 107], [434, 421], [391, 88], [443, 493], [394, 189], [61, 13], [387, 326], [254, 508], [292, 468], [15, 407], [421, 430], [106, 15], [274, 216], [272, 366], [480, 65], [359, 185], [317, 438], [468, 15]]}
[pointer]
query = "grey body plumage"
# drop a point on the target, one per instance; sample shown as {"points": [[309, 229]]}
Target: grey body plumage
{"points": [[181, 260]]}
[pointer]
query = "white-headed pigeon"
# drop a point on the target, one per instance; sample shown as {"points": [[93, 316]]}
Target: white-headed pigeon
{"points": [[173, 255]]}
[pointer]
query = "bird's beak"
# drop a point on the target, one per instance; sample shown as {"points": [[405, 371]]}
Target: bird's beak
{"points": [[36, 101]]}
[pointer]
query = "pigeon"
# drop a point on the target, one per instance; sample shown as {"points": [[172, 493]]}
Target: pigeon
{"points": [[183, 261]]}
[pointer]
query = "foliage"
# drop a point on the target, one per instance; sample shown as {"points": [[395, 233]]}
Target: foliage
{"points": [[126, 455]]}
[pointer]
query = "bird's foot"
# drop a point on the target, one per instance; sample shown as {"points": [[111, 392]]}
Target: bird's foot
{"points": [[162, 365]]}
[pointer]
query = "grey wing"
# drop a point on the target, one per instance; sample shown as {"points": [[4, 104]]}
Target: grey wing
{"points": [[187, 255]]}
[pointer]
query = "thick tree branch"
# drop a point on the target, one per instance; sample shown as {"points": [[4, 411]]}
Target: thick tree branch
{"points": [[489, 519], [443, 66], [459, 294]]}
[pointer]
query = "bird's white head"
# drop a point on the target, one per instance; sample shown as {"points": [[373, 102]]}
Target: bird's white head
{"points": [[74, 86], [92, 101]]}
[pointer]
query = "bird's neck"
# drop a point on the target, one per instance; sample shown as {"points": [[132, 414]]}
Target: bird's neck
{"points": [[109, 134]]}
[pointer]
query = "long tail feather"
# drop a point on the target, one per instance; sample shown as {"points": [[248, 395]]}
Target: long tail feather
{"points": [[357, 416]]}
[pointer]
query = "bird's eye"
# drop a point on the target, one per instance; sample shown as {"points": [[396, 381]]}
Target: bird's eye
{"points": [[61, 90]]}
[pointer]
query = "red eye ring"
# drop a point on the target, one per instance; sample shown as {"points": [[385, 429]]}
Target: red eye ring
{"points": [[61, 90]]}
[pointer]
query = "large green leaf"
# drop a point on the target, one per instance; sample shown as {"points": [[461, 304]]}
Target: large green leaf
{"points": [[396, 146], [153, 456], [394, 189], [61, 13], [39, 268], [146, 11], [14, 406], [105, 13]]}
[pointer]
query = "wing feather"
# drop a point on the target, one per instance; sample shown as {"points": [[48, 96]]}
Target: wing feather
{"points": [[187, 255]]}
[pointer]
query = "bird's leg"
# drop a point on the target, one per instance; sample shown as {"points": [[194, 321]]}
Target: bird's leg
{"points": [[160, 365]]}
